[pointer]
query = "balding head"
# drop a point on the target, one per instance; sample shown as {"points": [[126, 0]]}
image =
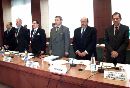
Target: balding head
{"points": [[84, 19], [8, 25], [18, 22], [84, 22]]}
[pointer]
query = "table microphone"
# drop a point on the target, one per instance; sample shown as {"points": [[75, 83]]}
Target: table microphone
{"points": [[72, 64]]}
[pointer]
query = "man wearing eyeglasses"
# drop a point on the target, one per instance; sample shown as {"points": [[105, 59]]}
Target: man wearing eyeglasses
{"points": [[116, 40], [84, 40]]}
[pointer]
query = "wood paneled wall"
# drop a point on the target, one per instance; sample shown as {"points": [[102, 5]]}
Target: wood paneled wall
{"points": [[36, 11], [102, 16], [1, 23]]}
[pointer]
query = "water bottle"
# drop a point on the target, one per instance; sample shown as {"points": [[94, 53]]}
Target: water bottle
{"points": [[2, 51], [93, 64], [72, 63], [26, 56]]}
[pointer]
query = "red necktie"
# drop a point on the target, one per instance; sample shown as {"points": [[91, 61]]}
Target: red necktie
{"points": [[116, 30]]}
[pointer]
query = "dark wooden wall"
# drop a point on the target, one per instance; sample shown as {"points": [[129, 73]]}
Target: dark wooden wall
{"points": [[102, 16], [36, 11], [1, 23]]}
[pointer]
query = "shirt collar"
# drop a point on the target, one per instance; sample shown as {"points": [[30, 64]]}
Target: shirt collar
{"points": [[59, 26], [36, 29], [83, 28], [117, 26], [9, 29], [19, 27]]}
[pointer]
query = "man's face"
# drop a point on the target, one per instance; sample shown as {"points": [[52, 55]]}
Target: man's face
{"points": [[35, 25], [58, 21], [84, 23], [116, 19], [18, 22], [8, 26]]}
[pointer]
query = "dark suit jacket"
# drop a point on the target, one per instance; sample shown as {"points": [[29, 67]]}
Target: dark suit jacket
{"points": [[23, 39], [86, 42], [38, 41], [9, 38], [117, 43]]}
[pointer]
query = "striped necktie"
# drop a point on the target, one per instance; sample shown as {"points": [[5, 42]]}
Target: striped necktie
{"points": [[116, 31], [82, 32], [35, 32], [57, 28]]}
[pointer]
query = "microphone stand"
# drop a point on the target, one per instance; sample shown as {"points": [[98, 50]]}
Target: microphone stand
{"points": [[72, 64]]}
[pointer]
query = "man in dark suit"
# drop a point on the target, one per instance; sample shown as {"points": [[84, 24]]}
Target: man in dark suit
{"points": [[38, 39], [9, 37], [22, 36], [116, 40], [84, 40]]}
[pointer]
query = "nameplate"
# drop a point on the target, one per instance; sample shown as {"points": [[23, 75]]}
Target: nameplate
{"points": [[7, 53], [7, 59], [50, 58], [93, 67], [115, 75], [32, 64], [60, 69]]}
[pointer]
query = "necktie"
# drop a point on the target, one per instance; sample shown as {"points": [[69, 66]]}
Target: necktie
{"points": [[116, 31], [57, 28], [7, 31], [17, 31], [82, 32], [35, 32]]}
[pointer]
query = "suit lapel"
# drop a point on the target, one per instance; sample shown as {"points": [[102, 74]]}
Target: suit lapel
{"points": [[37, 32], [32, 32], [86, 31], [55, 33], [112, 31], [18, 32], [79, 32], [60, 29], [120, 29]]}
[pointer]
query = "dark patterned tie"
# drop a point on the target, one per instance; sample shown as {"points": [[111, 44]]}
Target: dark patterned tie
{"points": [[116, 31], [7, 31], [35, 32], [82, 33], [57, 28]]}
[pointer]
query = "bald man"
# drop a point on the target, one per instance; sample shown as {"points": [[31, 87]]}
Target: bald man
{"points": [[22, 36], [9, 37], [84, 40]]}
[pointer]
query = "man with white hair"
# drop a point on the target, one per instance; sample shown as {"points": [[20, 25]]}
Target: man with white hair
{"points": [[84, 40], [22, 36]]}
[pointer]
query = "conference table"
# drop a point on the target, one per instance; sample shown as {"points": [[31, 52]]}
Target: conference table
{"points": [[17, 75]]}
